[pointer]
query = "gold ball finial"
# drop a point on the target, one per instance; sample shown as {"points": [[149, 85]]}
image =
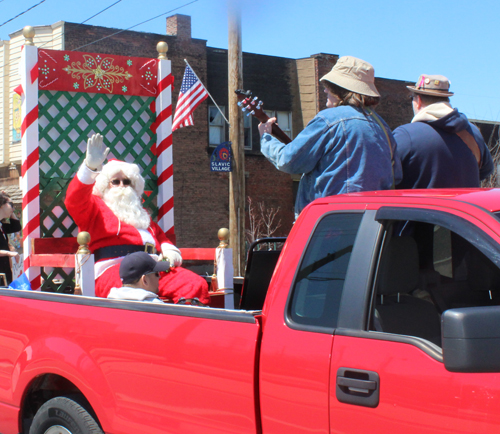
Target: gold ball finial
{"points": [[83, 239], [223, 235], [162, 48], [29, 34]]}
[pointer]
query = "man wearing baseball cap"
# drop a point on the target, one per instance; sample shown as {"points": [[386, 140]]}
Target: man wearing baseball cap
{"points": [[440, 148], [140, 275]]}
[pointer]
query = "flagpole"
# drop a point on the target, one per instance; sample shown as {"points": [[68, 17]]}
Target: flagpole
{"points": [[218, 108]]}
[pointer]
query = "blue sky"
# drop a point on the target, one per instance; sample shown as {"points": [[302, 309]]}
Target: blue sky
{"points": [[402, 39]]}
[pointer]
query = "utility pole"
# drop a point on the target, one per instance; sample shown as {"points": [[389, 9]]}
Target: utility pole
{"points": [[236, 136]]}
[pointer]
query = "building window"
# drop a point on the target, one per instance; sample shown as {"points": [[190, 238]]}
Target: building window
{"points": [[217, 126], [284, 120]]}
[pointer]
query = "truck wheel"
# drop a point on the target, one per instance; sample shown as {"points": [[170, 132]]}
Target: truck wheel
{"points": [[63, 416]]}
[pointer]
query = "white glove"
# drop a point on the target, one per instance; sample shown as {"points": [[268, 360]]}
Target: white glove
{"points": [[96, 152], [172, 254]]}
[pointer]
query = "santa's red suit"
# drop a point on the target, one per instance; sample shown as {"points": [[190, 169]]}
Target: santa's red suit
{"points": [[91, 214]]}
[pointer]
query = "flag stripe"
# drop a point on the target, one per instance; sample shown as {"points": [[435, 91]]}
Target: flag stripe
{"points": [[187, 111], [193, 103], [191, 95]]}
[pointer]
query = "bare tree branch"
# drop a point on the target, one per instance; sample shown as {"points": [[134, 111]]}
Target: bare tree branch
{"points": [[262, 221]]}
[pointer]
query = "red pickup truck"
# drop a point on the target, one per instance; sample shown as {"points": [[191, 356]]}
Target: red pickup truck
{"points": [[382, 315]]}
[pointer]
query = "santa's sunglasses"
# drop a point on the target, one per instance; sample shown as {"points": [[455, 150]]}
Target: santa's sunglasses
{"points": [[121, 181]]}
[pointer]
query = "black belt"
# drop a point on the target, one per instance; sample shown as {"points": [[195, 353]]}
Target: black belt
{"points": [[121, 250]]}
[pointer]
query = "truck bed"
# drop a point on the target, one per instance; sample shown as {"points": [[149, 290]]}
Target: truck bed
{"points": [[138, 364]]}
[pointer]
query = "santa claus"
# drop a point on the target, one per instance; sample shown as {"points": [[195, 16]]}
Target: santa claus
{"points": [[106, 202]]}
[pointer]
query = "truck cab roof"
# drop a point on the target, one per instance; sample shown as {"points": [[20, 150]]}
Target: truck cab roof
{"points": [[486, 198]]}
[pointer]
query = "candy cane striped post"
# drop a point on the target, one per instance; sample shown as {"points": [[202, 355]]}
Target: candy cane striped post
{"points": [[164, 166], [30, 182]]}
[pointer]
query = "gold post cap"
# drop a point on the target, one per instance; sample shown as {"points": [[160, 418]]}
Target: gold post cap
{"points": [[83, 238], [223, 235], [29, 34], [162, 48]]}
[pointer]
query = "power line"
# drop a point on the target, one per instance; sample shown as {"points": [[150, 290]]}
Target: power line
{"points": [[22, 13], [98, 13], [58, 37], [124, 30], [116, 33], [83, 22]]}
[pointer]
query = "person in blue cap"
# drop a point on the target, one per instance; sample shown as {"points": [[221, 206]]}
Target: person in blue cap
{"points": [[140, 275]]}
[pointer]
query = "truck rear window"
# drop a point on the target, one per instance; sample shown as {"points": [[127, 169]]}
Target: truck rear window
{"points": [[320, 280]]}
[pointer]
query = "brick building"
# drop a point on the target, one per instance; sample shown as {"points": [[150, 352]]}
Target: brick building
{"points": [[289, 88]]}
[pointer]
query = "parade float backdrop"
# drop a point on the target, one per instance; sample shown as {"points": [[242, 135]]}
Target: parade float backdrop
{"points": [[66, 97]]}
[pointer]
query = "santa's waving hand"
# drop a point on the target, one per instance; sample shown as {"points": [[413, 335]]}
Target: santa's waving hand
{"points": [[106, 201], [96, 152]]}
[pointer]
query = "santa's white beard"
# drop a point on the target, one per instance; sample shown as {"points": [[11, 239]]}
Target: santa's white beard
{"points": [[126, 205]]}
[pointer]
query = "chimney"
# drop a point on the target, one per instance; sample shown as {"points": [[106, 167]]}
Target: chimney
{"points": [[179, 25]]}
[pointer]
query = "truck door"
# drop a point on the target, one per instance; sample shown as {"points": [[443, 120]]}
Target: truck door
{"points": [[388, 370], [296, 344]]}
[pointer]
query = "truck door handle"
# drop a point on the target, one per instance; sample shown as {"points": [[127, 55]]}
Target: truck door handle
{"points": [[361, 386], [358, 387]]}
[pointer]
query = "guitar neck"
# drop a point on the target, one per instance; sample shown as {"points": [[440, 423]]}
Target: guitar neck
{"points": [[276, 131], [254, 108], [280, 135]]}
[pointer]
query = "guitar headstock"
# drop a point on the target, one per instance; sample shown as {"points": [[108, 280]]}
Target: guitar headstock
{"points": [[251, 105]]}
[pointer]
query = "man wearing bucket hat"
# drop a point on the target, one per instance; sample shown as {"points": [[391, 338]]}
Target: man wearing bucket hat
{"points": [[440, 148], [345, 148]]}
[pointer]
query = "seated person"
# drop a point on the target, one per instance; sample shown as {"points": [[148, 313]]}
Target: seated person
{"points": [[106, 201], [140, 275]]}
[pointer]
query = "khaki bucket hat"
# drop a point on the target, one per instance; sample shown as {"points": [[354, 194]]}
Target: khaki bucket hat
{"points": [[435, 85], [353, 74]]}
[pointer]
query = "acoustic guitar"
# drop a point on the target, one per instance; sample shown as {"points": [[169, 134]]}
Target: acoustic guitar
{"points": [[253, 106]]}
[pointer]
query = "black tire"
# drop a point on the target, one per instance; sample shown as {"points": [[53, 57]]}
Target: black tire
{"points": [[62, 415]]}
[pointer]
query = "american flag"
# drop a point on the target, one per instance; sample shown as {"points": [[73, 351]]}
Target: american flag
{"points": [[191, 95]]}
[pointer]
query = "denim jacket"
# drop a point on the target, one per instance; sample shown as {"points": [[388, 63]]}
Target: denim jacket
{"points": [[342, 150]]}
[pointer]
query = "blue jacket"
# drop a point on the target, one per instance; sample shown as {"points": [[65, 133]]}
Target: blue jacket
{"points": [[342, 150], [434, 156]]}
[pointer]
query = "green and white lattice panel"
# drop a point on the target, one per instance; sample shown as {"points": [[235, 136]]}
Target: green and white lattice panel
{"points": [[66, 97], [66, 120]]}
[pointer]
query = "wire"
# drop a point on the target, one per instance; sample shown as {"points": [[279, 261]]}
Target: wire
{"points": [[22, 13], [116, 33], [106, 37], [83, 22], [147, 21], [98, 13], [16, 60]]}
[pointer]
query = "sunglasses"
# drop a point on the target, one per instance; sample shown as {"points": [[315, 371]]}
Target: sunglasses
{"points": [[157, 273], [125, 181]]}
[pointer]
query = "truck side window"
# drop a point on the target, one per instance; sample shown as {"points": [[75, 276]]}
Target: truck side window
{"points": [[425, 271], [320, 280], [466, 277]]}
